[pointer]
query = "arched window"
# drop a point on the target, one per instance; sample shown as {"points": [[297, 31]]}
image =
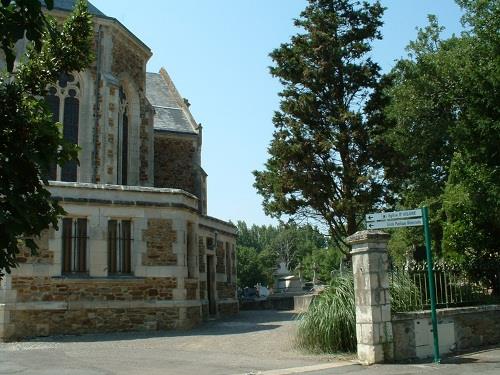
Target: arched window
{"points": [[123, 132], [63, 100]]}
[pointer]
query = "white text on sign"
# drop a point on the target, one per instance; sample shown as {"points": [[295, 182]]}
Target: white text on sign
{"points": [[394, 223], [394, 215]]}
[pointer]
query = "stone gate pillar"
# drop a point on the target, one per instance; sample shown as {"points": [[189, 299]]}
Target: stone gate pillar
{"points": [[372, 298]]}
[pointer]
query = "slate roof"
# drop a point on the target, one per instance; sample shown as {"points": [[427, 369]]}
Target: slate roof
{"points": [[169, 114], [68, 5]]}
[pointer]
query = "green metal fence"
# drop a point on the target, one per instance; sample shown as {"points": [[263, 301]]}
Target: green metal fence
{"points": [[455, 287]]}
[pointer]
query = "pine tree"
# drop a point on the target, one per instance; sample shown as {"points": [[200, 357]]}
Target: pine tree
{"points": [[320, 165]]}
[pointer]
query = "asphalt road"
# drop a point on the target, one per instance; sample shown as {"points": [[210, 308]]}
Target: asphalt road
{"points": [[249, 343], [259, 342]]}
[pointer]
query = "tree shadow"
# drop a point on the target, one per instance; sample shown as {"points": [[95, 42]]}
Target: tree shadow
{"points": [[471, 356], [468, 356], [245, 322]]}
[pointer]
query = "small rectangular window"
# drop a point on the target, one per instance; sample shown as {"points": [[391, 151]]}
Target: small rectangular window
{"points": [[74, 238], [119, 247]]}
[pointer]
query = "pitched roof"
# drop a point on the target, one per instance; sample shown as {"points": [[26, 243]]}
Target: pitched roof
{"points": [[171, 114], [68, 5]]}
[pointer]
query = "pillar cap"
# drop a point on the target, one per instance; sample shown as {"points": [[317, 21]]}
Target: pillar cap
{"points": [[368, 236]]}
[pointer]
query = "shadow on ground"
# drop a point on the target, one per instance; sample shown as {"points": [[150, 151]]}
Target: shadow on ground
{"points": [[245, 322]]}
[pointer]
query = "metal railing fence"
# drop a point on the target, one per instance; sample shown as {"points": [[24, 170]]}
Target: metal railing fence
{"points": [[455, 287]]}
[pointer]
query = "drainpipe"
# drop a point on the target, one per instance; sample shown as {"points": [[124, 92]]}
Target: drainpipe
{"points": [[97, 105]]}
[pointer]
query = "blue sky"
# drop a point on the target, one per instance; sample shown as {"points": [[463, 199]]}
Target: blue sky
{"points": [[216, 52]]}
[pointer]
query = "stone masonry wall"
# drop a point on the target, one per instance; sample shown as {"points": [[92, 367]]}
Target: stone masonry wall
{"points": [[193, 316], [52, 322], [226, 290], [36, 289], [201, 252], [227, 309], [221, 258], [459, 329], [43, 256], [233, 261], [174, 160], [159, 239], [203, 289], [129, 60], [191, 288]]}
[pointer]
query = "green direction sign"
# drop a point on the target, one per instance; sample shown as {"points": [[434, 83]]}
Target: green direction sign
{"points": [[394, 215], [394, 223]]}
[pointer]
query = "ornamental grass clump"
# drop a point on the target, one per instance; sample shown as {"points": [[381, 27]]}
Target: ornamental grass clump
{"points": [[329, 325], [405, 296]]}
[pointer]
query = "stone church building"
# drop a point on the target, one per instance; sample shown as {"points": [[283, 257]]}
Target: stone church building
{"points": [[136, 250]]}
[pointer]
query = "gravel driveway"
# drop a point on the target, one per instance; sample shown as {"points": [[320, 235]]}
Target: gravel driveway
{"points": [[251, 342]]}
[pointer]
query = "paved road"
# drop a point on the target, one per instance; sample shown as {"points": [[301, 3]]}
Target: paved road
{"points": [[249, 343], [252, 343]]}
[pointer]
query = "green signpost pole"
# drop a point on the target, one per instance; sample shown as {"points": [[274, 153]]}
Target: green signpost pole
{"points": [[432, 287]]}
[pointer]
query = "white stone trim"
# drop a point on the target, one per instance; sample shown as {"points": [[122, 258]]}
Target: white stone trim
{"points": [[81, 305]]}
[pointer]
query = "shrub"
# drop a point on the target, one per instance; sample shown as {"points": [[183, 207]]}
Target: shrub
{"points": [[329, 325]]}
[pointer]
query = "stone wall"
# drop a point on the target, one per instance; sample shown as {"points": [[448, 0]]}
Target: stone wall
{"points": [[203, 289], [201, 252], [193, 316], [174, 161], [52, 322], [44, 254], [191, 286], [204, 311], [233, 261], [127, 58], [221, 258], [228, 309], [458, 329], [159, 239], [226, 290], [37, 289]]}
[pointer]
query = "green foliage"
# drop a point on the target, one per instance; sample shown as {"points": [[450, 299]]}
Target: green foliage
{"points": [[320, 263], [264, 247], [405, 295], [250, 271], [17, 19], [329, 325], [472, 206], [30, 142], [320, 164], [441, 132]]}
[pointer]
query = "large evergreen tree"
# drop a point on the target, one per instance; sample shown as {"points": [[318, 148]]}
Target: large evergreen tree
{"points": [[320, 165]]}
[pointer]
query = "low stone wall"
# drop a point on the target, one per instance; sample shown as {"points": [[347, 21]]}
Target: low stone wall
{"points": [[280, 302], [458, 328], [301, 303], [228, 309], [226, 290], [40, 306], [27, 323]]}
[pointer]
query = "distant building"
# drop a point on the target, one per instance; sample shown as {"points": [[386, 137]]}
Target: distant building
{"points": [[136, 250]]}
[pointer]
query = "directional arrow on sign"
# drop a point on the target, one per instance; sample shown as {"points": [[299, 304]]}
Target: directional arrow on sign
{"points": [[394, 223], [394, 215]]}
